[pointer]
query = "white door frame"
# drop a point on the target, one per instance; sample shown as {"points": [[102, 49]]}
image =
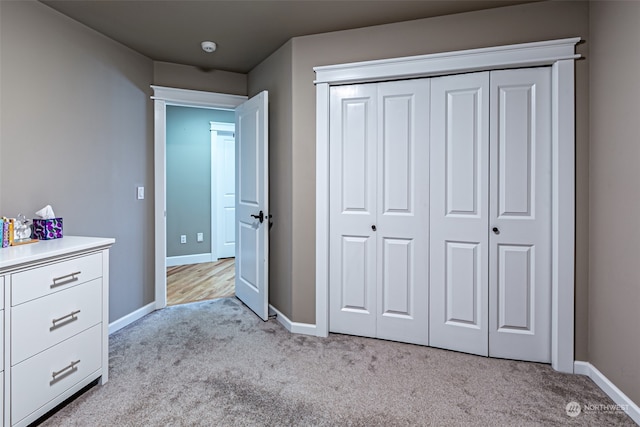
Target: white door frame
{"points": [[163, 96], [215, 128], [561, 56]]}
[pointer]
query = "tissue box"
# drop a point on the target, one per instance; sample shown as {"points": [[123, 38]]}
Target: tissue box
{"points": [[46, 229]]}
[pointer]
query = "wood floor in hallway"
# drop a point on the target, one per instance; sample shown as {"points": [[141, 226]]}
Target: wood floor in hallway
{"points": [[198, 282]]}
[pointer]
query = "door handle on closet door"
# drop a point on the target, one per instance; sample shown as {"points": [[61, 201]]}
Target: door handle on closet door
{"points": [[496, 230]]}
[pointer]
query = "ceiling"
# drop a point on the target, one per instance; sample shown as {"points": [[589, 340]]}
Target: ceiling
{"points": [[246, 32]]}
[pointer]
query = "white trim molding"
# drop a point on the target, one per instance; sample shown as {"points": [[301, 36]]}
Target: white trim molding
{"points": [[131, 317], [163, 96], [621, 399], [222, 127], [196, 98], [560, 55], [172, 261], [293, 327], [438, 64]]}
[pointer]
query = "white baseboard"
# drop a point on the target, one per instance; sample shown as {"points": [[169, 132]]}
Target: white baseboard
{"points": [[293, 327], [586, 368], [131, 317], [172, 261]]}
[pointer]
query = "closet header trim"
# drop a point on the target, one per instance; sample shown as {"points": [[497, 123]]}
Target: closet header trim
{"points": [[462, 61]]}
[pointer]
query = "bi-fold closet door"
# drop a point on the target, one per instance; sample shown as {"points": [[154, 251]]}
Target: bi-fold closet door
{"points": [[490, 207], [440, 207], [379, 213]]}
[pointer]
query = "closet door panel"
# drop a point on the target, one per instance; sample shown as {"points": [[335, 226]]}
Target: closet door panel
{"points": [[355, 152], [514, 141], [396, 151], [459, 213], [352, 210], [520, 211], [356, 254], [462, 302], [397, 281], [462, 180], [402, 226], [515, 288]]}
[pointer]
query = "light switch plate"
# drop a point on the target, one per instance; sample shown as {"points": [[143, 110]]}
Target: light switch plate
{"points": [[140, 193]]}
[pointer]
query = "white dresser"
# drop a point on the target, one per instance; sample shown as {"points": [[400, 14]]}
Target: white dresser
{"points": [[54, 309]]}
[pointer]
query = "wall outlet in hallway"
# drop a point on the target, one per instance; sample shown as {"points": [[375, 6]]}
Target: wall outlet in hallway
{"points": [[200, 237], [183, 238]]}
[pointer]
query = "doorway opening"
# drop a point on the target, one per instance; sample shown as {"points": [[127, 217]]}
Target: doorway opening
{"points": [[164, 99], [200, 203]]}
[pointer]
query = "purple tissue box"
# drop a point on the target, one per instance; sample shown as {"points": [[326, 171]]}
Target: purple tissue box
{"points": [[46, 229]]}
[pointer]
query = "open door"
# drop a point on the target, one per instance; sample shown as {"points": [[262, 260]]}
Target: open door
{"points": [[252, 204]]}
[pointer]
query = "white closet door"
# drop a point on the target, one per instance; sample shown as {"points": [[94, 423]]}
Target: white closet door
{"points": [[403, 211], [352, 210], [379, 219], [459, 213], [520, 215]]}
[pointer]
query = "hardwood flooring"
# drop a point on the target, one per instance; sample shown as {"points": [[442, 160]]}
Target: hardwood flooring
{"points": [[198, 282]]}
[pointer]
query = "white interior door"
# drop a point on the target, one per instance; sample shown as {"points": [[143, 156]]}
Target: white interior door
{"points": [[226, 195], [459, 213], [252, 204], [520, 215], [379, 210]]}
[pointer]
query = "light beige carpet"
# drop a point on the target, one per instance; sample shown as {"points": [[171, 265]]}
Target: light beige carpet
{"points": [[215, 363]]}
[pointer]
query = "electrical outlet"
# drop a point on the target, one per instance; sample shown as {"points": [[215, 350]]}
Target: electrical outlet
{"points": [[200, 237], [183, 238]]}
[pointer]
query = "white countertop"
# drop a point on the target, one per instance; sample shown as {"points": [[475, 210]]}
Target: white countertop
{"points": [[14, 256]]}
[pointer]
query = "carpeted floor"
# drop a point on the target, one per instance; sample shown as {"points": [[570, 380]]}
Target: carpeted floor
{"points": [[214, 363]]}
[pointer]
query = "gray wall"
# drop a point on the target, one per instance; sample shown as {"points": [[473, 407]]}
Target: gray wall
{"points": [[274, 75], [614, 277], [77, 133], [188, 77], [188, 185]]}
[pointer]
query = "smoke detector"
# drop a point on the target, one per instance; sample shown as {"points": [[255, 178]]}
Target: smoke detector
{"points": [[208, 46]]}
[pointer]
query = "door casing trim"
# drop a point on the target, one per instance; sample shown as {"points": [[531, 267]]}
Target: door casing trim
{"points": [[163, 96], [560, 55]]}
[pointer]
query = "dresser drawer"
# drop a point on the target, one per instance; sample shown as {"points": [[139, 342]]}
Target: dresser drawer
{"points": [[43, 322], [33, 383], [41, 281]]}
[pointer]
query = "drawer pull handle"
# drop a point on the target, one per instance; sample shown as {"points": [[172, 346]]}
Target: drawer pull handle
{"points": [[67, 318], [66, 279], [64, 372]]}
